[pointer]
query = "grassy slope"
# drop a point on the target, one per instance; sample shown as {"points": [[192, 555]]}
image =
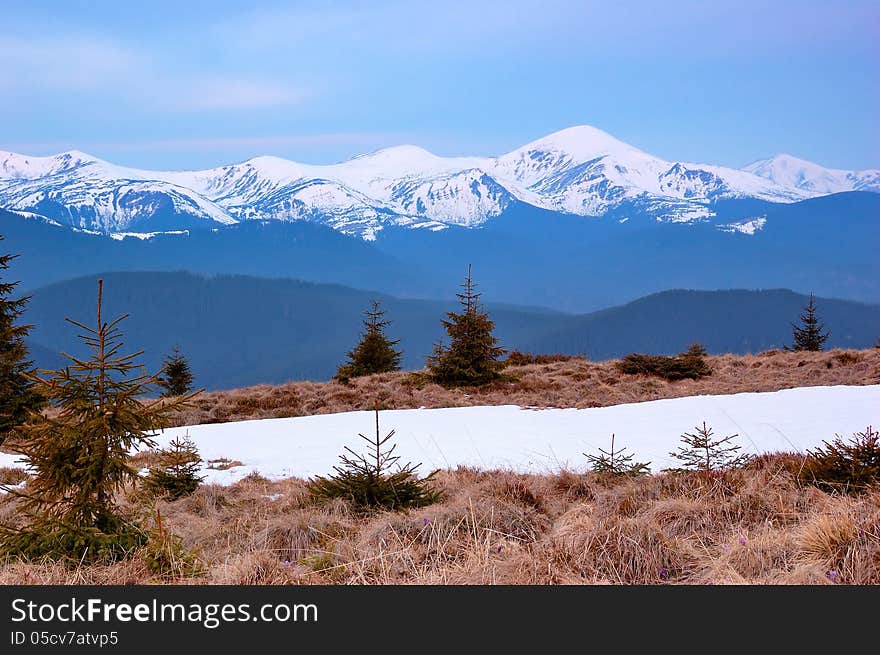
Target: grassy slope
{"points": [[572, 383], [496, 527], [754, 526]]}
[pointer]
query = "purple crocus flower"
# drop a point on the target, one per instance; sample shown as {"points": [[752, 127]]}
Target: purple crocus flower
{"points": [[742, 541], [663, 573], [425, 521], [832, 575]]}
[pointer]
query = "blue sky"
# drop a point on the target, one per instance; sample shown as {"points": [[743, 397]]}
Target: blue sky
{"points": [[197, 84]]}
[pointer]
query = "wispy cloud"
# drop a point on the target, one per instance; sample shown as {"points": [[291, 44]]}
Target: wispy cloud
{"points": [[64, 63], [229, 94], [511, 27], [88, 65]]}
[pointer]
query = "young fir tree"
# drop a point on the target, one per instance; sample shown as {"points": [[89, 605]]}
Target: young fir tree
{"points": [[615, 463], [809, 336], [473, 353], [849, 465], [702, 452], [374, 352], [177, 378], [17, 393], [376, 480], [176, 473], [79, 455]]}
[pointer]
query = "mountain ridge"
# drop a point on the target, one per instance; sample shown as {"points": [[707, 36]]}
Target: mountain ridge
{"points": [[305, 329], [580, 171]]}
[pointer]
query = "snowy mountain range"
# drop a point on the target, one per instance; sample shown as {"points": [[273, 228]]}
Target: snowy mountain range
{"points": [[578, 171]]}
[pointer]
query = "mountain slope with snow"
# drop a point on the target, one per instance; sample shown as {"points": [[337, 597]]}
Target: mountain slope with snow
{"points": [[580, 170], [85, 192], [795, 173]]}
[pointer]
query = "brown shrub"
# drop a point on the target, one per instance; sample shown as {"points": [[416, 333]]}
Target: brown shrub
{"points": [[688, 365], [849, 465], [517, 358], [847, 357]]}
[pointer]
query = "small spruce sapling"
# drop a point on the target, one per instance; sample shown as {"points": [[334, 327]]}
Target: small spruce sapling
{"points": [[702, 452], [849, 465], [176, 473], [615, 463], [166, 556], [376, 480]]}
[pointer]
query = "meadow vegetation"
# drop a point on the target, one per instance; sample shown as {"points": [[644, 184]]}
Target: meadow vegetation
{"points": [[536, 382], [760, 524]]}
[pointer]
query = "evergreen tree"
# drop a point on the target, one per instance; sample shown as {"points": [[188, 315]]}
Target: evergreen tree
{"points": [[702, 452], [374, 352], [849, 465], [809, 336], [376, 480], [79, 456], [473, 353], [176, 474], [177, 377], [17, 393], [615, 463]]}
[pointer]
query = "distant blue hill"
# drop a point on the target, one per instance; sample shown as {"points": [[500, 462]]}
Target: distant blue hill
{"points": [[526, 255], [240, 330]]}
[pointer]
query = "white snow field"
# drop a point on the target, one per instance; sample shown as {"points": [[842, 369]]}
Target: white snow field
{"points": [[535, 440]]}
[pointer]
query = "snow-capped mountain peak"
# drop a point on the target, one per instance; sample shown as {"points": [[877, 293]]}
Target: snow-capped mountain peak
{"points": [[793, 172], [581, 142], [13, 165], [580, 170], [404, 153], [398, 162], [561, 150]]}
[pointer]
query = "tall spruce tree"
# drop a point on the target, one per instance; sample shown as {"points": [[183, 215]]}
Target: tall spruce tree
{"points": [[79, 455], [809, 335], [375, 352], [473, 353], [17, 393], [177, 378]]}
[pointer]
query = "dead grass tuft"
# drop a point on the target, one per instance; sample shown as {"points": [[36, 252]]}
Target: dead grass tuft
{"points": [[757, 525], [826, 538]]}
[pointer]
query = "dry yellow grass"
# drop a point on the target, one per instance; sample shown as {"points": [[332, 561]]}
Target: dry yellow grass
{"points": [[573, 383], [754, 526]]}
